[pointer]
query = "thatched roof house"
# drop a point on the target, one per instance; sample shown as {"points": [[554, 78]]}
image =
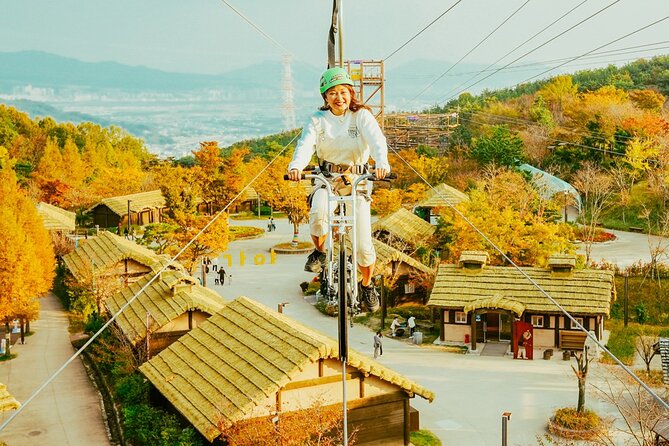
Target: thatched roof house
{"points": [[110, 255], [174, 303], [471, 293], [7, 401], [248, 361], [442, 196], [145, 208], [402, 227], [55, 218]]}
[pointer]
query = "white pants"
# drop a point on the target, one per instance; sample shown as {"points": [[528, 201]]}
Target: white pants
{"points": [[318, 224]]}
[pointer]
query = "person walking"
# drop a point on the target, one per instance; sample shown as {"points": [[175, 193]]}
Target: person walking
{"points": [[378, 345], [394, 325], [214, 264], [344, 134], [221, 275], [411, 322]]}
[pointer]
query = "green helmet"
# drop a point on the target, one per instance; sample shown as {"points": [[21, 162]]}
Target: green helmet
{"points": [[334, 76]]}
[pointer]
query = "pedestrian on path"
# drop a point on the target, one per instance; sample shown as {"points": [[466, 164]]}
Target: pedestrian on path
{"points": [[221, 276], [378, 345], [214, 264], [394, 325], [411, 322]]}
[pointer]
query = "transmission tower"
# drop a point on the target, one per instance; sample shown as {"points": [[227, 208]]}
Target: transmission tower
{"points": [[288, 106]]}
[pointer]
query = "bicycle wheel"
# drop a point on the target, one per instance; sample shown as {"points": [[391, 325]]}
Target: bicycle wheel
{"points": [[342, 280]]}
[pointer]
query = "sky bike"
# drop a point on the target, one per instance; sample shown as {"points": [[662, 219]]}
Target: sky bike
{"points": [[339, 276]]}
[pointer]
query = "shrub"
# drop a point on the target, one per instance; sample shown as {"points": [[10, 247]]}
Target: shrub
{"points": [[326, 308], [641, 313], [94, 323], [568, 417], [146, 425], [417, 311], [132, 389]]}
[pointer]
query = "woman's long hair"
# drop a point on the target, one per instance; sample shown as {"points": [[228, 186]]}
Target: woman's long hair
{"points": [[354, 106]]}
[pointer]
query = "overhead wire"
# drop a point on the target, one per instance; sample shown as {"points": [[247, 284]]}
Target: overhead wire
{"points": [[422, 30], [473, 49], [643, 28], [591, 16], [521, 44]]}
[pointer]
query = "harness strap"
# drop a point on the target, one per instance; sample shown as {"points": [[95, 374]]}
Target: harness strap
{"points": [[357, 169]]}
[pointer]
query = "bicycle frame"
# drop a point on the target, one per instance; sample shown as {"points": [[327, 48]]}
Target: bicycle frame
{"points": [[341, 223]]}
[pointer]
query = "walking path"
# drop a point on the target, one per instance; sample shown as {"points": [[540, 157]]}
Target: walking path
{"points": [[68, 411], [471, 391]]}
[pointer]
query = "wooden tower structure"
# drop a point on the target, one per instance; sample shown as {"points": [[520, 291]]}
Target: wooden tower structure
{"points": [[368, 82], [409, 130]]}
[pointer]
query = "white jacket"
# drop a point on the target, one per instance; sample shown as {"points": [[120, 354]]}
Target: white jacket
{"points": [[347, 139]]}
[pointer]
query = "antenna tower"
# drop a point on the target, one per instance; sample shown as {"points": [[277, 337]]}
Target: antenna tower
{"points": [[288, 106]]}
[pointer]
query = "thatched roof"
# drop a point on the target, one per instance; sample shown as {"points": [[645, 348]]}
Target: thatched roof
{"points": [[55, 218], [106, 250], [7, 401], [405, 225], [385, 255], [583, 292], [443, 195], [239, 357], [138, 202], [166, 298]]}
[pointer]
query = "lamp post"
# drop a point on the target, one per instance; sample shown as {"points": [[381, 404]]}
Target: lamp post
{"points": [[565, 206], [506, 416]]}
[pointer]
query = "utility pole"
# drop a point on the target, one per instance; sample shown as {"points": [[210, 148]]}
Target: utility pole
{"points": [[625, 301]]}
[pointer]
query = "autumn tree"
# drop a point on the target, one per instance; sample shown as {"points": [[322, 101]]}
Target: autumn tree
{"points": [[26, 253], [211, 242], [286, 196], [317, 425], [596, 188], [515, 226]]}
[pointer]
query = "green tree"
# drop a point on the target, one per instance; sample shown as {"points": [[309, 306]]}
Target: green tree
{"points": [[499, 146]]}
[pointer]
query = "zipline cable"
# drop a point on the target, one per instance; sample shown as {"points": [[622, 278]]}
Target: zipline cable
{"points": [[536, 285], [53, 376], [257, 28]]}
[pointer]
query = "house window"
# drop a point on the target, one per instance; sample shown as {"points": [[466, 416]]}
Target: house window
{"points": [[409, 288], [537, 320], [460, 317], [579, 320]]}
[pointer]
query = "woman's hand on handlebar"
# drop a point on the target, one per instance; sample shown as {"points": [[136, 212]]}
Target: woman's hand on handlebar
{"points": [[380, 173], [294, 175]]}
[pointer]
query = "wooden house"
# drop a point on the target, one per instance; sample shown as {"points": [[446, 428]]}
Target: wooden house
{"points": [[480, 303], [439, 197], [403, 230], [247, 362], [56, 219], [111, 256], [142, 208], [170, 306]]}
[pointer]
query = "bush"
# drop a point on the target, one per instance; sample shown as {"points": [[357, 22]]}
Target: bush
{"points": [[424, 438], [417, 311], [326, 308], [568, 417], [132, 389], [146, 425], [94, 323], [641, 313]]}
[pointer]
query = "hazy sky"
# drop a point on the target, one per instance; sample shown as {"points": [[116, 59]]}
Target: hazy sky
{"points": [[206, 36]]}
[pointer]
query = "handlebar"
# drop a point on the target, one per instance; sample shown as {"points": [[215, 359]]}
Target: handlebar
{"points": [[317, 171]]}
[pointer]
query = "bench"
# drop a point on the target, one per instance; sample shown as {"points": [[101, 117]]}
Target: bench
{"points": [[572, 340], [635, 229]]}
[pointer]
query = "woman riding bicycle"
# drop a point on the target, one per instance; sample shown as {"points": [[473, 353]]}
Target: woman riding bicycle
{"points": [[344, 134]]}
